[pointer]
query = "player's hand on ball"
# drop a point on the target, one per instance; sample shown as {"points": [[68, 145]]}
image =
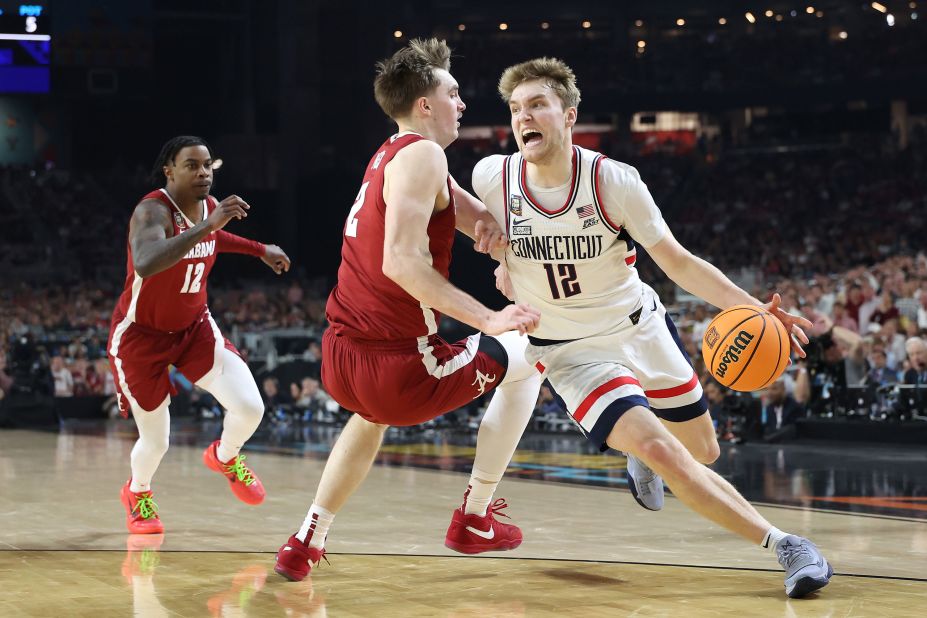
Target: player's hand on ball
{"points": [[278, 261], [523, 318], [794, 324]]}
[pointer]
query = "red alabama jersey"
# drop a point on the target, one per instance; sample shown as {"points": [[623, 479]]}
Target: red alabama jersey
{"points": [[174, 298], [365, 303]]}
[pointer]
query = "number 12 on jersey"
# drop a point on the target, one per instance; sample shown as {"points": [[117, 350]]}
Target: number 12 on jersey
{"points": [[563, 277], [193, 281]]}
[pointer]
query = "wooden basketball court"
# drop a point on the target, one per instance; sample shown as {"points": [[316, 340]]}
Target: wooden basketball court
{"points": [[588, 551]]}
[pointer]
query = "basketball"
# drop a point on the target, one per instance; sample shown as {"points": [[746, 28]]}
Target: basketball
{"points": [[745, 348]]}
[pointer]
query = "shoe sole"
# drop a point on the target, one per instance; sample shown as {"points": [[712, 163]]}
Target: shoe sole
{"points": [[806, 585], [288, 574], [633, 489], [479, 549]]}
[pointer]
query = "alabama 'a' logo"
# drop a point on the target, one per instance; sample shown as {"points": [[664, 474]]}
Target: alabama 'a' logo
{"points": [[482, 381]]}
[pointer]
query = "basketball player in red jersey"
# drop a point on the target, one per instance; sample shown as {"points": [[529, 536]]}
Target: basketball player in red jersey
{"points": [[162, 319], [382, 356]]}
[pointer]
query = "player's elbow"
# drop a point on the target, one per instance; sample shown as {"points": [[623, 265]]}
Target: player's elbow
{"points": [[392, 267], [143, 268]]}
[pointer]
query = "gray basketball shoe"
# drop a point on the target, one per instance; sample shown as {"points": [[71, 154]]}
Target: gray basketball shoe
{"points": [[646, 486], [806, 570]]}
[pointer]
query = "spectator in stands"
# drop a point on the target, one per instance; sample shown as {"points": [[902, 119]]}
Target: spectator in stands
{"points": [[886, 310], [64, 381], [6, 380], [547, 405], [734, 420], [313, 356], [843, 319], [893, 343], [853, 302], [880, 374], [779, 413], [313, 401], [917, 361], [276, 402], [700, 321]]}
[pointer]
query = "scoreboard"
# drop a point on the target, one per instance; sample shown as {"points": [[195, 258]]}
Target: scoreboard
{"points": [[25, 47]]}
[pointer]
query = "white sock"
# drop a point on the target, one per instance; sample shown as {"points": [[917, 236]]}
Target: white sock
{"points": [[224, 453], [317, 521], [772, 538], [479, 497], [136, 487]]}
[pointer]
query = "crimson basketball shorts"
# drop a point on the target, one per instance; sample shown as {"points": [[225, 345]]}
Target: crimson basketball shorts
{"points": [[642, 364], [401, 383], [140, 359]]}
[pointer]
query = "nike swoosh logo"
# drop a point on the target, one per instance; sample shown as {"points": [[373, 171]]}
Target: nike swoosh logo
{"points": [[486, 534], [287, 548], [654, 306], [522, 222]]}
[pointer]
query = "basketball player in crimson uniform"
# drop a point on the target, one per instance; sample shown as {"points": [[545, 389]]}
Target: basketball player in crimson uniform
{"points": [[382, 357], [605, 342], [162, 319]]}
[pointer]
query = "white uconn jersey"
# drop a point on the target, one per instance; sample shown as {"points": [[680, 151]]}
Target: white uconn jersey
{"points": [[572, 254]]}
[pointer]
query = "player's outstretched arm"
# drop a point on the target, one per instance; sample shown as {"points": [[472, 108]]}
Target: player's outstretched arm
{"points": [[698, 277], [276, 259], [474, 220], [414, 179], [154, 248]]}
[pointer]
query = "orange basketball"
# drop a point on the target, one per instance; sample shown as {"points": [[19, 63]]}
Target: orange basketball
{"points": [[745, 348]]}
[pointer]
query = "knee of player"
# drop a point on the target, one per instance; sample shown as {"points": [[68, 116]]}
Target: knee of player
{"points": [[253, 407], [661, 453], [161, 444], [708, 453]]}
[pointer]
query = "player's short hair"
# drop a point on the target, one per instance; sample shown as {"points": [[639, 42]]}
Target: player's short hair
{"points": [[553, 71], [409, 74], [170, 149]]}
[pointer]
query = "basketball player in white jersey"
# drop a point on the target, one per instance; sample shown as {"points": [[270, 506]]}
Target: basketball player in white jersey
{"points": [[605, 342]]}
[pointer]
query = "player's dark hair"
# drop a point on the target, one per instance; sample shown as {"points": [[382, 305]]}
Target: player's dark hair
{"points": [[170, 150], [409, 74]]}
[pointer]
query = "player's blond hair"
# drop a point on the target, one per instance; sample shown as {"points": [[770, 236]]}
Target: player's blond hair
{"points": [[553, 71], [409, 74]]}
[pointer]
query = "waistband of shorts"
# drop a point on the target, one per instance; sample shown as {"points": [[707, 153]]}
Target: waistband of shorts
{"points": [[409, 346], [118, 317], [542, 342]]}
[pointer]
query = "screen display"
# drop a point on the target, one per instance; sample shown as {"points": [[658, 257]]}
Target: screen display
{"points": [[25, 47]]}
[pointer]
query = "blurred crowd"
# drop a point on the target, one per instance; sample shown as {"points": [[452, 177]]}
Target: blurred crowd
{"points": [[788, 52], [835, 231]]}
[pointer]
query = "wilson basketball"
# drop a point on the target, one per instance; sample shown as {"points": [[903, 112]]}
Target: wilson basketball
{"points": [[745, 348]]}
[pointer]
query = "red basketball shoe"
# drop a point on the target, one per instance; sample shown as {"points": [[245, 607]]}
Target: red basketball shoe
{"points": [[295, 559], [141, 511], [474, 534], [246, 486]]}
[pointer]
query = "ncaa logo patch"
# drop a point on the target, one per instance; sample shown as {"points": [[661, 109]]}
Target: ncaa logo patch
{"points": [[711, 337], [515, 205]]}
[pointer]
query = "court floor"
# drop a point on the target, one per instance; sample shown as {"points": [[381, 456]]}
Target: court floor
{"points": [[589, 550]]}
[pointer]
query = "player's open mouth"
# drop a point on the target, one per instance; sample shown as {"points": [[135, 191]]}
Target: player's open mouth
{"points": [[531, 137]]}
